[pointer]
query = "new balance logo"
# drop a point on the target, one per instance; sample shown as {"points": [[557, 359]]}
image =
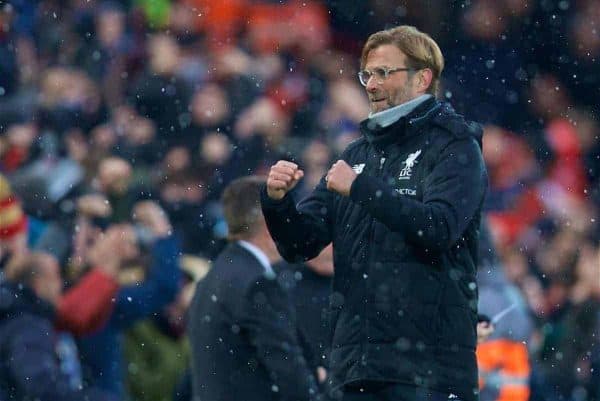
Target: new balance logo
{"points": [[358, 168]]}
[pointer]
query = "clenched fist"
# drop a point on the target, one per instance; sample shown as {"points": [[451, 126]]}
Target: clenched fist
{"points": [[152, 216], [282, 178], [340, 178]]}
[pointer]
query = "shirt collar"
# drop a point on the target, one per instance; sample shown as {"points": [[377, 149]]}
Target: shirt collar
{"points": [[259, 255], [387, 117]]}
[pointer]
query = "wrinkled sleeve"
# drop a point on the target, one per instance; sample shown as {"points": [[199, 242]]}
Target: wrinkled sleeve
{"points": [[147, 298], [88, 305], [302, 231]]}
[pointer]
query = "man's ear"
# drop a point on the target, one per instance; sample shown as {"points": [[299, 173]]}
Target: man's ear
{"points": [[425, 78]]}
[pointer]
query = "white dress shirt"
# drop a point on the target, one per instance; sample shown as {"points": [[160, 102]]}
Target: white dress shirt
{"points": [[259, 255]]}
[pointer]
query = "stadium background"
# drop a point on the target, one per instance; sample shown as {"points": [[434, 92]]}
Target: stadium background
{"points": [[171, 100]]}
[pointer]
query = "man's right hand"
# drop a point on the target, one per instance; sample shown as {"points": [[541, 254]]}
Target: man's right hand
{"points": [[282, 178], [94, 205], [152, 216], [105, 253]]}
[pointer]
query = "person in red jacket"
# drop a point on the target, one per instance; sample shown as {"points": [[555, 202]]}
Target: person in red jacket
{"points": [[86, 306]]}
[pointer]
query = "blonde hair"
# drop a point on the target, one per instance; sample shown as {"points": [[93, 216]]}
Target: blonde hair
{"points": [[420, 49]]}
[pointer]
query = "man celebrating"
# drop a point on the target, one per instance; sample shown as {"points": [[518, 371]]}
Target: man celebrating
{"points": [[402, 207]]}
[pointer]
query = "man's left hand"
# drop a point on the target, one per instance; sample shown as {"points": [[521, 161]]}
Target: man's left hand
{"points": [[484, 330], [340, 178]]}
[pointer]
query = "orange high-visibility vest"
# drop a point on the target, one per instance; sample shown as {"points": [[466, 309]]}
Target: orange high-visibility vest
{"points": [[504, 367]]}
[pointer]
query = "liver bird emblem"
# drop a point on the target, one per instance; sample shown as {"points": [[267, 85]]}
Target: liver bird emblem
{"points": [[411, 160]]}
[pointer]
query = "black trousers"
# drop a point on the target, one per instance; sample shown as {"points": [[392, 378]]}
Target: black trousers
{"points": [[388, 391]]}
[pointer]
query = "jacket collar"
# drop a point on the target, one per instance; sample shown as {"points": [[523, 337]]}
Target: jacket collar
{"points": [[381, 137], [388, 117]]}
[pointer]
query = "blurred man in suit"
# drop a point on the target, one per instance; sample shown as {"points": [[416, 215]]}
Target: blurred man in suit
{"points": [[242, 326]]}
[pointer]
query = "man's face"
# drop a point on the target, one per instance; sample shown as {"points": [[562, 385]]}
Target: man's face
{"points": [[398, 88]]}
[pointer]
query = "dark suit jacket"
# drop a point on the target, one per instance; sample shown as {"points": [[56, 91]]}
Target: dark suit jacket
{"points": [[243, 335], [309, 293]]}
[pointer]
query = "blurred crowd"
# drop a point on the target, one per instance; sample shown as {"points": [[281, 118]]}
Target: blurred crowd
{"points": [[121, 121]]}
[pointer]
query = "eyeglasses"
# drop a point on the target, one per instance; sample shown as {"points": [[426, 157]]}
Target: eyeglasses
{"points": [[380, 74]]}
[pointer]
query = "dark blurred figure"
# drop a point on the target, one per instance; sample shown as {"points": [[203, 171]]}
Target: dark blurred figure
{"points": [[70, 99], [209, 112], [485, 73], [136, 140], [588, 129], [563, 40], [9, 72], [115, 182], [19, 67], [106, 53], [309, 286], [30, 367], [259, 135], [160, 94], [213, 161], [570, 349], [184, 198]]}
